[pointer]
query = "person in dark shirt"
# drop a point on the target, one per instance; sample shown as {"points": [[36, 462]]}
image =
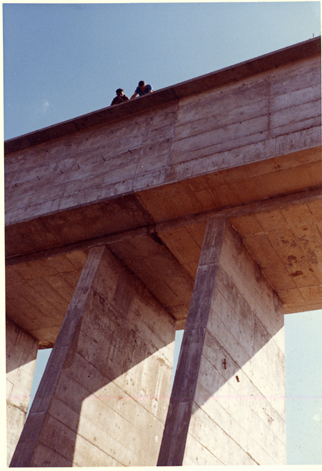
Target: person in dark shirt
{"points": [[120, 97], [142, 89]]}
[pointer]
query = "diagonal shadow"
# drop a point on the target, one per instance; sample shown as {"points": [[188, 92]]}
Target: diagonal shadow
{"points": [[238, 364], [104, 381], [113, 384]]}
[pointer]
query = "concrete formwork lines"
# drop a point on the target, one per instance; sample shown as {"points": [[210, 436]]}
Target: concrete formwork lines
{"points": [[143, 399], [28, 439], [200, 455], [102, 402], [257, 90], [232, 421], [259, 292], [229, 375], [207, 154], [204, 159], [229, 389], [59, 410], [178, 417], [108, 406], [99, 430], [219, 333], [233, 441], [236, 150], [21, 352], [263, 206]]}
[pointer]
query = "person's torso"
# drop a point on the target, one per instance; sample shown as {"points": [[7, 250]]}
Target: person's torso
{"points": [[140, 92]]}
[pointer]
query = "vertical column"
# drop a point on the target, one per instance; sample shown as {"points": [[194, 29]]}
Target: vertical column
{"points": [[105, 392], [37, 415], [228, 400], [185, 382], [21, 353]]}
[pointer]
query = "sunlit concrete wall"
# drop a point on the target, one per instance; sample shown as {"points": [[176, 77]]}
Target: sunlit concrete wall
{"points": [[105, 393], [238, 414], [246, 120], [21, 353]]}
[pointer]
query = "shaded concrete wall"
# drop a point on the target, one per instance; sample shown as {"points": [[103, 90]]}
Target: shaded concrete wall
{"points": [[236, 414], [260, 117], [105, 392], [21, 353]]}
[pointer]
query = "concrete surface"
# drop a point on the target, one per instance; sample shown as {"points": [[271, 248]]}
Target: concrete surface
{"points": [[21, 354], [134, 187], [249, 139], [227, 405], [104, 395]]}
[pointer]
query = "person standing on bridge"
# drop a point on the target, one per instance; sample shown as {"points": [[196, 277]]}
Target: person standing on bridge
{"points": [[120, 97], [142, 89]]}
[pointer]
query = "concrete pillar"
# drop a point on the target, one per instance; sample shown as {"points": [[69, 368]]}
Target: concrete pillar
{"points": [[105, 392], [227, 405], [21, 354]]}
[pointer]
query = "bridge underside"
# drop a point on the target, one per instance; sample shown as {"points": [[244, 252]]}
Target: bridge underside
{"points": [[196, 207], [158, 235]]}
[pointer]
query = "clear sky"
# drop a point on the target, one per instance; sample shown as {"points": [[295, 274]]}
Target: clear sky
{"points": [[65, 60]]}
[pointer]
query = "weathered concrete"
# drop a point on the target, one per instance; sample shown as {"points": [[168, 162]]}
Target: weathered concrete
{"points": [[190, 87], [252, 133], [104, 396], [263, 116], [131, 190], [180, 408], [38, 294], [21, 353], [227, 404]]}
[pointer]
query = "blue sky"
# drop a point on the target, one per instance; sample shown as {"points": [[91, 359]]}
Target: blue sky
{"points": [[65, 60]]}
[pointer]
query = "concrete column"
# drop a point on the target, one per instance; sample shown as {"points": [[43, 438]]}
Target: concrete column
{"points": [[105, 392], [183, 392], [227, 405], [21, 354]]}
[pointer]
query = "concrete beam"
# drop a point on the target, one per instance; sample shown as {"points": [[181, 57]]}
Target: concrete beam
{"points": [[293, 199]]}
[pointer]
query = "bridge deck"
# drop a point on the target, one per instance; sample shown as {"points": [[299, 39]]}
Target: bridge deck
{"points": [[144, 176]]}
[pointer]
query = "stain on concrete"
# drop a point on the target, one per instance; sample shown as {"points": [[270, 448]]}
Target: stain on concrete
{"points": [[297, 273]]}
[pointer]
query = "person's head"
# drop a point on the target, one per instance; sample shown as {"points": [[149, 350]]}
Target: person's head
{"points": [[119, 92], [142, 84]]}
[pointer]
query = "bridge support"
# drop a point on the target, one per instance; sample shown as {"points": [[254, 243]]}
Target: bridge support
{"points": [[21, 353], [104, 395], [78, 186], [227, 403]]}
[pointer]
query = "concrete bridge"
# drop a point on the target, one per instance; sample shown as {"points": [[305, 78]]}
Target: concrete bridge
{"points": [[195, 207]]}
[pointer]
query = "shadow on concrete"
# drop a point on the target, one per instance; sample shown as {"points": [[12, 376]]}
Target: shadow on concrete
{"points": [[108, 345], [232, 340], [103, 372]]}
